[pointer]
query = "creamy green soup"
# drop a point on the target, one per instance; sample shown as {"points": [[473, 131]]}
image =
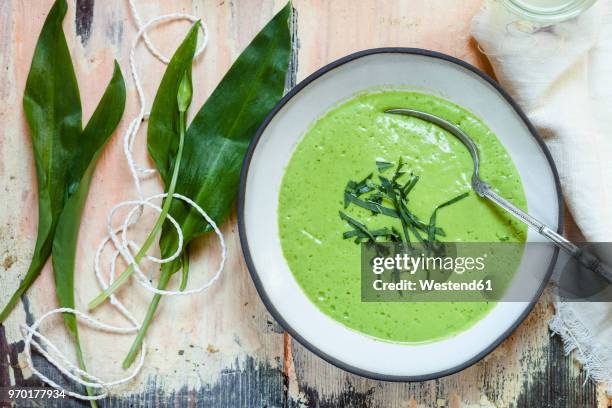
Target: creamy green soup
{"points": [[343, 145]]}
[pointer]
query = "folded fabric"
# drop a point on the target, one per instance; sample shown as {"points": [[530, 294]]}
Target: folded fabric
{"points": [[561, 76]]}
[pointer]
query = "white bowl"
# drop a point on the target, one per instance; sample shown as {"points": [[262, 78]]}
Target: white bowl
{"points": [[261, 178]]}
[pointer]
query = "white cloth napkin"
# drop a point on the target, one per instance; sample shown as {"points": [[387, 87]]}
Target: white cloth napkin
{"points": [[562, 78]]}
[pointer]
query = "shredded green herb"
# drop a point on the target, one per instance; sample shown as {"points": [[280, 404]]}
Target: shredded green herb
{"points": [[383, 165], [393, 192]]}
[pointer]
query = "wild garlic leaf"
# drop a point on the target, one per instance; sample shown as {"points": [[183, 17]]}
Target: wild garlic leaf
{"points": [[165, 137], [64, 157], [52, 109], [100, 127], [163, 129], [174, 93], [217, 139]]}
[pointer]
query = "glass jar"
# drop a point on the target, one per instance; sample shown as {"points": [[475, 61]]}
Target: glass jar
{"points": [[546, 12]]}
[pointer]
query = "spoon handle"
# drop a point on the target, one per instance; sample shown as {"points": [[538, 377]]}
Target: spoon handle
{"points": [[587, 259]]}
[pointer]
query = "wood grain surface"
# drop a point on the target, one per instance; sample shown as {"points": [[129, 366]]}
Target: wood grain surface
{"points": [[222, 348]]}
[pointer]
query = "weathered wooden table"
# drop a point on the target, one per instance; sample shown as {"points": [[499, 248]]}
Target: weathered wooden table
{"points": [[222, 348]]}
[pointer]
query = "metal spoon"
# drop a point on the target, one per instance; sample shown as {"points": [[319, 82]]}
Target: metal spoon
{"points": [[484, 190]]}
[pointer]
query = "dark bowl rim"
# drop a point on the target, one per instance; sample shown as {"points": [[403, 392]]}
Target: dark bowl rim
{"points": [[242, 227]]}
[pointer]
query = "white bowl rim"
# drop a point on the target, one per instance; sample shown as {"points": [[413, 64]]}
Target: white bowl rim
{"points": [[242, 225]]}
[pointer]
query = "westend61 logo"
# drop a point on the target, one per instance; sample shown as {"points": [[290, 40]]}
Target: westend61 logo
{"points": [[476, 272]]}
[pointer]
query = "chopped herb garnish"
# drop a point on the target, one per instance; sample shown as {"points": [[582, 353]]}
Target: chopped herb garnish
{"points": [[376, 197], [361, 187], [434, 214], [410, 185], [357, 225], [395, 193], [357, 189], [389, 233], [398, 172], [383, 165], [375, 207], [453, 200]]}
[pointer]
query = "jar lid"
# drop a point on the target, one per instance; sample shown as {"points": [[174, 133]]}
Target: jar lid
{"points": [[548, 11]]}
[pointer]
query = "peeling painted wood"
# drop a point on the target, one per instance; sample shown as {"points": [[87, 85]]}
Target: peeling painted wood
{"points": [[84, 19], [527, 370]]}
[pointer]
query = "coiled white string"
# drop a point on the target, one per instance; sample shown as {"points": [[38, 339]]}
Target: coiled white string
{"points": [[123, 246]]}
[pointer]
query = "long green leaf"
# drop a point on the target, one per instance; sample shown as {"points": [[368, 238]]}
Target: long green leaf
{"points": [[97, 132], [165, 127], [217, 140], [52, 108], [100, 127], [64, 156], [220, 133]]}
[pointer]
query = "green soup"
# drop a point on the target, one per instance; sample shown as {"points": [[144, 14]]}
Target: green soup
{"points": [[343, 145]]}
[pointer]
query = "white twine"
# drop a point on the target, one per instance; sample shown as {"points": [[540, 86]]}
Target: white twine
{"points": [[123, 246]]}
